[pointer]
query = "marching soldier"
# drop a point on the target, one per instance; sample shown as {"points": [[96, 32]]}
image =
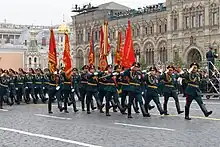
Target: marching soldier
{"points": [[92, 88], [12, 88], [152, 90], [169, 89], [4, 88], [20, 85], [75, 88], [65, 87], [193, 92], [83, 85], [51, 84], [29, 86], [135, 89], [38, 85]]}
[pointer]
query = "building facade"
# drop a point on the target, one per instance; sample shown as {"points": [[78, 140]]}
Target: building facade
{"points": [[174, 31], [23, 46]]}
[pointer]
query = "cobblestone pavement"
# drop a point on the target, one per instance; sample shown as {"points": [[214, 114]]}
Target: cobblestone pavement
{"points": [[31, 126]]}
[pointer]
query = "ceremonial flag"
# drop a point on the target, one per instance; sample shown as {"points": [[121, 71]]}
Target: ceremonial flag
{"points": [[104, 46], [118, 51], [91, 57], [67, 57], [128, 53], [52, 55]]}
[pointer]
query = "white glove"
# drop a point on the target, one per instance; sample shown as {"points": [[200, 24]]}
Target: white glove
{"points": [[26, 87], [216, 55], [181, 72], [166, 71], [95, 73], [115, 74], [71, 87], [43, 88], [132, 67], [58, 87], [142, 93], [122, 72], [144, 71], [16, 88], [2, 74], [55, 73], [73, 90]]}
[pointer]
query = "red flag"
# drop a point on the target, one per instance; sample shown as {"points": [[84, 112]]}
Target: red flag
{"points": [[118, 49], [67, 57], [52, 55], [128, 56], [103, 57], [91, 57]]}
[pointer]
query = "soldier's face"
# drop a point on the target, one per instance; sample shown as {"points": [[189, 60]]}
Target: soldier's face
{"points": [[170, 71], [74, 72], [109, 69], [92, 70]]}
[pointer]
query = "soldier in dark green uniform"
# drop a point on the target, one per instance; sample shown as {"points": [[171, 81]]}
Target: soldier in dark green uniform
{"points": [[20, 85], [135, 87], [65, 87], [4, 81], [169, 89], [152, 90], [111, 90], [38, 85], [29, 85], [101, 87], [83, 85], [74, 88], [92, 88], [193, 92], [50, 81], [12, 88]]}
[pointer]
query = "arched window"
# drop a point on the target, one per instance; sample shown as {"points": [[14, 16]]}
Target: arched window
{"points": [[163, 52], [29, 61], [149, 53], [35, 60]]}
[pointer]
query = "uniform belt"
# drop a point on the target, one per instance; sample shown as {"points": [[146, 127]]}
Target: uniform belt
{"points": [[124, 83], [112, 84], [30, 82], [136, 84], [92, 84], [193, 85], [38, 82], [151, 86], [169, 85], [84, 82], [12, 83], [102, 83], [69, 83], [20, 83], [3, 85], [52, 84]]}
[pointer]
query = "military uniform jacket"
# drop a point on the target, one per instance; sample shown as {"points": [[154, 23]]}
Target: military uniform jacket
{"points": [[92, 82], [192, 88], [65, 82], [39, 80], [75, 80], [135, 80], [168, 81], [151, 82], [29, 80], [110, 83], [50, 81], [102, 81], [12, 81], [4, 81], [83, 80], [20, 81]]}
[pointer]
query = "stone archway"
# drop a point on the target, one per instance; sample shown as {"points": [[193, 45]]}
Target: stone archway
{"points": [[194, 56]]}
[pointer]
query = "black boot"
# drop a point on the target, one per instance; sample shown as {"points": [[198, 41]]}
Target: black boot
{"points": [[135, 106], [150, 107], [88, 108], [122, 110], [107, 109], [187, 113], [74, 107], [165, 108], [129, 111], [60, 106], [178, 108], [92, 105], [204, 110], [83, 104], [17, 101], [159, 107], [143, 110]]}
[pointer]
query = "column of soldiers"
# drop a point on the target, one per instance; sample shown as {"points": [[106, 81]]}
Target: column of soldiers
{"points": [[122, 89]]}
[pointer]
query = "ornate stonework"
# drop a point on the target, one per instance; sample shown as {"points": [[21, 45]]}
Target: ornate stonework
{"points": [[161, 33]]}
